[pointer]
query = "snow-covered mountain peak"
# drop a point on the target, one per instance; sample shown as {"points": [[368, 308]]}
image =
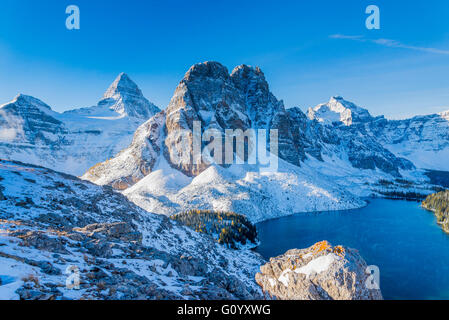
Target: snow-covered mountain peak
{"points": [[339, 110], [125, 98], [75, 140], [25, 101], [122, 85]]}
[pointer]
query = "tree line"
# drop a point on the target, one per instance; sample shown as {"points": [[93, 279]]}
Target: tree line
{"points": [[227, 228]]}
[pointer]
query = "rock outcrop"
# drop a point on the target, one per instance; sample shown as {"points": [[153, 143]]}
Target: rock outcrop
{"points": [[321, 272]]}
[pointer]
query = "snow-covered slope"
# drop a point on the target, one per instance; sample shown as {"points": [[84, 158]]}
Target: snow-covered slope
{"points": [[51, 221], [73, 141], [240, 188], [422, 139]]}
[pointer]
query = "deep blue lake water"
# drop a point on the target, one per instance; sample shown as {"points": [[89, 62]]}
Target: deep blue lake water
{"points": [[400, 237]]}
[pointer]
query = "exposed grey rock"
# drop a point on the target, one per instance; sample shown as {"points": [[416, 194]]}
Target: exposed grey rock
{"points": [[117, 231], [321, 272], [41, 241], [32, 121]]}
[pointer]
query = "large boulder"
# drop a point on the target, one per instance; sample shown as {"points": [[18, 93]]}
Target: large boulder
{"points": [[321, 272]]}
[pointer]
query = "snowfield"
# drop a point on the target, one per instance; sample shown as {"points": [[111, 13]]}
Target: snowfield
{"points": [[242, 189]]}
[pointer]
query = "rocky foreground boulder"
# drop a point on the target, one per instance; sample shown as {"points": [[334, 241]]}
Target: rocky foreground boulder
{"points": [[320, 272]]}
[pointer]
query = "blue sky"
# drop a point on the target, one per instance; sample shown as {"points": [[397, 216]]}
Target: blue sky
{"points": [[308, 50]]}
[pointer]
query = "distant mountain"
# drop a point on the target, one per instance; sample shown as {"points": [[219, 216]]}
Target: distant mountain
{"points": [[424, 140], [352, 141], [29, 121], [338, 110], [74, 140]]}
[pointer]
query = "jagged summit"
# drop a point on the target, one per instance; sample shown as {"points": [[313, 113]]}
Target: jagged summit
{"points": [[246, 69], [339, 110], [124, 97], [122, 85], [210, 69]]}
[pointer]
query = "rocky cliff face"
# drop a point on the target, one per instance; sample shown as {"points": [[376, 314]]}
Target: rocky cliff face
{"points": [[209, 95], [52, 222], [221, 101], [321, 272], [75, 140]]}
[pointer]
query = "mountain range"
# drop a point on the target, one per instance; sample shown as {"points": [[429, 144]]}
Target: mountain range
{"points": [[135, 169], [328, 158], [75, 140]]}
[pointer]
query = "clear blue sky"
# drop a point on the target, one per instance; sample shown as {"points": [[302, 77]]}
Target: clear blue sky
{"points": [[309, 50]]}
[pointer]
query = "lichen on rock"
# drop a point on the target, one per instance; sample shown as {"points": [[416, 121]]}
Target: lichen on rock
{"points": [[320, 272]]}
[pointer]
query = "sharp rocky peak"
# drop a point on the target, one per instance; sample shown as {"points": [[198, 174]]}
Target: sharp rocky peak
{"points": [[208, 69], [126, 98], [122, 85]]}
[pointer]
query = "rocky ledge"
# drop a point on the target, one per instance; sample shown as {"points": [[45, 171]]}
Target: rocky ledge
{"points": [[321, 272]]}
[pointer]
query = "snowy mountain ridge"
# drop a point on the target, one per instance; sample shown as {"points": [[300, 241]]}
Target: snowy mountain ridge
{"points": [[424, 140], [75, 140]]}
